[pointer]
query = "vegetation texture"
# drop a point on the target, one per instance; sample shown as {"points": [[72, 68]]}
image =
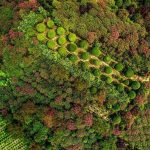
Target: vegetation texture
{"points": [[74, 75]]}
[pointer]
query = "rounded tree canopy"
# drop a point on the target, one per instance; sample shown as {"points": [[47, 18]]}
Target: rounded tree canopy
{"points": [[50, 23], [119, 67], [95, 62], [108, 70], [51, 34], [72, 47], [120, 87], [41, 37], [72, 37], [109, 80], [129, 73], [119, 3], [84, 44], [62, 51], [51, 44], [73, 58], [95, 51], [60, 31], [96, 72], [116, 107], [135, 85], [116, 119], [132, 94], [126, 82], [62, 40], [41, 27], [85, 55], [107, 58], [93, 90]]}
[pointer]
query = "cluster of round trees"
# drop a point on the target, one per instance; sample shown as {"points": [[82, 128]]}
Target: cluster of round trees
{"points": [[68, 45]]}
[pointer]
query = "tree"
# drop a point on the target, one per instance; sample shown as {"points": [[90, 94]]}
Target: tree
{"points": [[119, 3], [135, 85], [129, 73]]}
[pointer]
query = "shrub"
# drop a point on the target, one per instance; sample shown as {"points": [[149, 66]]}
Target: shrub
{"points": [[116, 107], [60, 31], [41, 37], [88, 119], [119, 67], [127, 2], [30, 32], [95, 62], [50, 23], [84, 65], [109, 80], [93, 90], [72, 37], [132, 94], [135, 85], [116, 119], [51, 34], [51, 44], [95, 51], [96, 72], [126, 82], [62, 51], [61, 40], [107, 58], [72, 47], [85, 55], [84, 44], [120, 87], [40, 27], [129, 73], [119, 3], [73, 58], [71, 125], [108, 70]]}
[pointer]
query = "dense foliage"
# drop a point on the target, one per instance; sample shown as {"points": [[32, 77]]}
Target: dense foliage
{"points": [[74, 74]]}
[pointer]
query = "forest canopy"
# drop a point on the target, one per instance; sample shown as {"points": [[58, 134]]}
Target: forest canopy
{"points": [[74, 74]]}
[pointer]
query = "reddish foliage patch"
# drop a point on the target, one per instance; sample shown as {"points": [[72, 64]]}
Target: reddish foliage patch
{"points": [[135, 111], [74, 147], [58, 99], [4, 39], [144, 47], [31, 4], [4, 112], [76, 109], [91, 37], [51, 112], [71, 125], [114, 35], [117, 131], [145, 10], [26, 90], [139, 100], [128, 115], [13, 35], [88, 119], [35, 41]]}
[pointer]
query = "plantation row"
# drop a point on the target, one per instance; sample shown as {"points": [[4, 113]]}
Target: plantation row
{"points": [[9, 141]]}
